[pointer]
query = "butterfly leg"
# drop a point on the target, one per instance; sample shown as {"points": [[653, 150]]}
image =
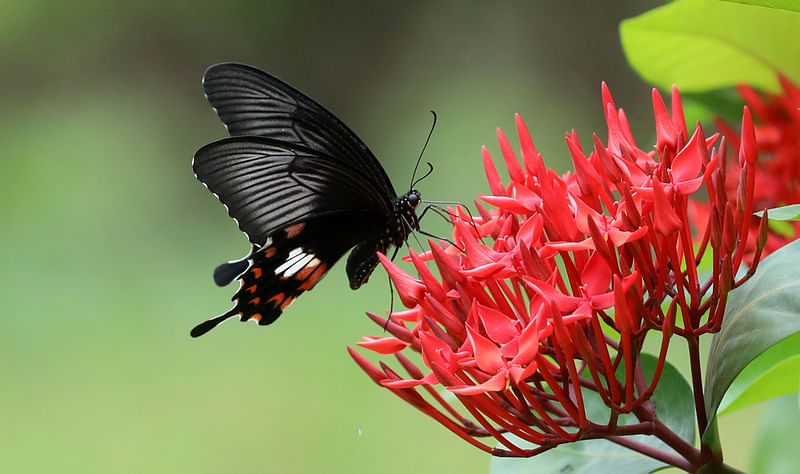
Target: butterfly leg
{"points": [[445, 214], [391, 292], [441, 211], [428, 234], [411, 231]]}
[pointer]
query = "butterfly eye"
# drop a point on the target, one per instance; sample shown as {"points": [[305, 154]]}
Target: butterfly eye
{"points": [[413, 198]]}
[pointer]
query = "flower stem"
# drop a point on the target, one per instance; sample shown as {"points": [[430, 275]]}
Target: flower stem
{"points": [[650, 451], [662, 432], [699, 399], [718, 468]]}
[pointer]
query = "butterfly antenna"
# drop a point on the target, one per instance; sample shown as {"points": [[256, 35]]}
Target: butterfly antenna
{"points": [[430, 170], [419, 160]]}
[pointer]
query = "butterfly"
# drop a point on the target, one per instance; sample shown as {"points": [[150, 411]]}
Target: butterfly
{"points": [[302, 187]]}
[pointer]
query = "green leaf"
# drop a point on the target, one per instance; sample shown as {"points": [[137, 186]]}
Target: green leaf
{"points": [[675, 406], [774, 373], [792, 5], [776, 440], [785, 213], [759, 314], [704, 106], [702, 45]]}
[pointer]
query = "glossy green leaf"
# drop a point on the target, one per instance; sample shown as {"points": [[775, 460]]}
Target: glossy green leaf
{"points": [[776, 443], [675, 406], [774, 373], [785, 213], [702, 45], [704, 106], [759, 314], [792, 5]]}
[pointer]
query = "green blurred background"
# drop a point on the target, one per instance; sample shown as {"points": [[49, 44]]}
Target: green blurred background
{"points": [[108, 241]]}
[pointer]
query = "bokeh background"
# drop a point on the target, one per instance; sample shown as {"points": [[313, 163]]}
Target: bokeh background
{"points": [[108, 242]]}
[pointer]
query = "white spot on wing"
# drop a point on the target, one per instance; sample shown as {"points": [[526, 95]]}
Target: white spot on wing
{"points": [[295, 252], [296, 255], [299, 265]]}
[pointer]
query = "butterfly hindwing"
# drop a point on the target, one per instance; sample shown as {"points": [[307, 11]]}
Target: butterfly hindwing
{"points": [[291, 261]]}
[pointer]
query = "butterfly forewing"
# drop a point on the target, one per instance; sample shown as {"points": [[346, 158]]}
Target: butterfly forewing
{"points": [[252, 102], [267, 185]]}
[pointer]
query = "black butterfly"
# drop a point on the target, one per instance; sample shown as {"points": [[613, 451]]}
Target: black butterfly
{"points": [[302, 187]]}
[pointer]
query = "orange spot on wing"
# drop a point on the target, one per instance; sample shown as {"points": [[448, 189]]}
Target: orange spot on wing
{"points": [[294, 229], [255, 300], [252, 289], [277, 299], [306, 271], [312, 280], [268, 253], [256, 316], [287, 302], [257, 271]]}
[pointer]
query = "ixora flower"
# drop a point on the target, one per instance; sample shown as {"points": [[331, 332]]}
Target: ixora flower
{"points": [[548, 297], [777, 172]]}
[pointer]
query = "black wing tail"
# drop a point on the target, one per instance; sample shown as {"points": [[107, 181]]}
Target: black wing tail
{"points": [[210, 324], [229, 271]]}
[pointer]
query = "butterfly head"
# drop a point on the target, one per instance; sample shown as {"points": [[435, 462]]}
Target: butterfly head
{"points": [[405, 218], [413, 198]]}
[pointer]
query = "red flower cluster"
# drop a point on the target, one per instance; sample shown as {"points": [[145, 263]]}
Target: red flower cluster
{"points": [[579, 269], [777, 172]]}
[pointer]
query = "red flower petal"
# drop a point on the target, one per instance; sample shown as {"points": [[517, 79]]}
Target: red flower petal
{"points": [[564, 302], [487, 354], [529, 342], [429, 379], [434, 350], [491, 174], [519, 374], [596, 275], [410, 290], [510, 204], [431, 284], [678, 119], [665, 128], [514, 170], [530, 155], [495, 384], [620, 238], [499, 326], [687, 164], [747, 150], [383, 345], [666, 221]]}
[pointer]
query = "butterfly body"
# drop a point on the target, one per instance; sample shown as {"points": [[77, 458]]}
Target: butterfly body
{"points": [[301, 186]]}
